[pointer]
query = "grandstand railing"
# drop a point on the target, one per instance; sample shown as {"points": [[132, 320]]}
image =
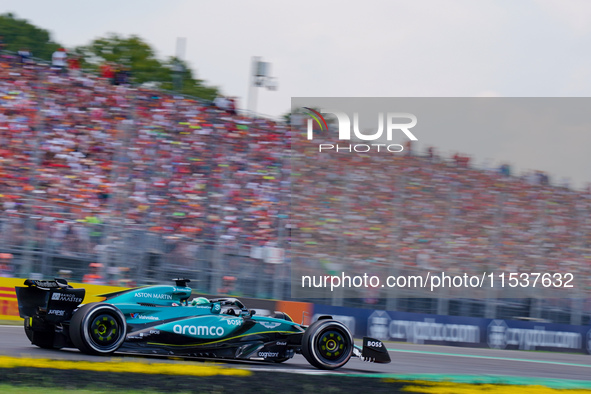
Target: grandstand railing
{"points": [[45, 246]]}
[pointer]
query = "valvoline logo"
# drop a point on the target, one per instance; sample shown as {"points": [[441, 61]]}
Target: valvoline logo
{"points": [[143, 317]]}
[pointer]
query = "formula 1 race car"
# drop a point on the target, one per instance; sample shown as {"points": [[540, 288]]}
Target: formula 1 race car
{"points": [[160, 320]]}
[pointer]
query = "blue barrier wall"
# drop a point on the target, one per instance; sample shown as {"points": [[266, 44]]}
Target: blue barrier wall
{"points": [[461, 331]]}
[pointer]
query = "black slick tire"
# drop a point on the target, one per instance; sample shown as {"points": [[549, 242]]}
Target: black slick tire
{"points": [[327, 344], [98, 329]]}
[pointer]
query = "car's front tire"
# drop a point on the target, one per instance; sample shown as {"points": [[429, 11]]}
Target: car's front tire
{"points": [[98, 328], [327, 344]]}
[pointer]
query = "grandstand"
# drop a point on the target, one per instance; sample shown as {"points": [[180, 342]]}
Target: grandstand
{"points": [[152, 185]]}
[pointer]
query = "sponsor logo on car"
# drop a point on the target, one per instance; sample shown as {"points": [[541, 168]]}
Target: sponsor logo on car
{"points": [[269, 324], [143, 317], [234, 322], [56, 312], [281, 343], [214, 331], [154, 296], [268, 354], [65, 297], [45, 283]]}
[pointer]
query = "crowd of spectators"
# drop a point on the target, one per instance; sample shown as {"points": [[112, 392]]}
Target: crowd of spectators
{"points": [[79, 152], [361, 212]]}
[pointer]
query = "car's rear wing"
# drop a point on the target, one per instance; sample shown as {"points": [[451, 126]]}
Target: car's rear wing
{"points": [[54, 300]]}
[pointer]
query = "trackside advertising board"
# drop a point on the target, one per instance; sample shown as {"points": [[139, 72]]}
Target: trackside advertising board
{"points": [[461, 331]]}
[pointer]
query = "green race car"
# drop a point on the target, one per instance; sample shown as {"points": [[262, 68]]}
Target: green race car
{"points": [[161, 320]]}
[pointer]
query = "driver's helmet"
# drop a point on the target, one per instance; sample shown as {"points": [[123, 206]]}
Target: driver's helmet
{"points": [[199, 301]]}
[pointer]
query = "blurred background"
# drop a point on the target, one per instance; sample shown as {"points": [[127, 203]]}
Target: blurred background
{"points": [[121, 166]]}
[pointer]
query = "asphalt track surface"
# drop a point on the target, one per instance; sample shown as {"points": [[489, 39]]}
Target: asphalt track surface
{"points": [[407, 359]]}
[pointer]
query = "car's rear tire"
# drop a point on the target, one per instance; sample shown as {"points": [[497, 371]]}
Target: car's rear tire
{"points": [[327, 344], [98, 328]]}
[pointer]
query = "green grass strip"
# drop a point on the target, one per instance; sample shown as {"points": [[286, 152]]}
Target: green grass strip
{"points": [[10, 389]]}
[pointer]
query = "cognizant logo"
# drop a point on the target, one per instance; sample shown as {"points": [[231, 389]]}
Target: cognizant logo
{"points": [[392, 124]]}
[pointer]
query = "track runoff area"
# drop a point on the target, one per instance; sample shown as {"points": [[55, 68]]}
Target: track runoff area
{"points": [[428, 367]]}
